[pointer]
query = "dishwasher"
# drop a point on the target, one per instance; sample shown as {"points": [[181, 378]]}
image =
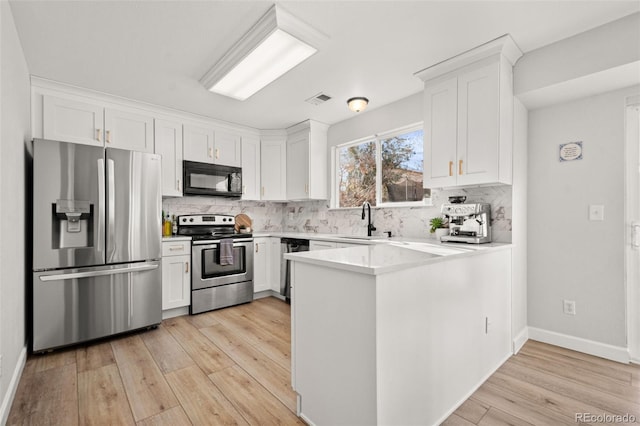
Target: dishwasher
{"points": [[289, 245]]}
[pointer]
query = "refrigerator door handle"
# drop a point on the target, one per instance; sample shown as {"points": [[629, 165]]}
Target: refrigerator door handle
{"points": [[111, 205], [89, 274], [101, 201]]}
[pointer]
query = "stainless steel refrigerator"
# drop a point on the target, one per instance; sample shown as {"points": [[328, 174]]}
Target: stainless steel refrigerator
{"points": [[96, 242]]}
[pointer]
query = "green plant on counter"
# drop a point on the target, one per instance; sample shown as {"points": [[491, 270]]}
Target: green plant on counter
{"points": [[437, 222]]}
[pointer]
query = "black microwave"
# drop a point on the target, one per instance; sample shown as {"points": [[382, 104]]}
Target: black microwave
{"points": [[211, 179]]}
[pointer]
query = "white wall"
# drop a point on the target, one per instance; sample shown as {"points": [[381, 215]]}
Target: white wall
{"points": [[589, 53], [571, 257], [14, 143], [519, 233]]}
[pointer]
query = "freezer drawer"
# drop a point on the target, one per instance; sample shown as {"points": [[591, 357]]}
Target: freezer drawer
{"points": [[75, 305]]}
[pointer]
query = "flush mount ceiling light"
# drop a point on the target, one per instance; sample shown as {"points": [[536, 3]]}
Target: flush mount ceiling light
{"points": [[357, 104], [275, 44]]}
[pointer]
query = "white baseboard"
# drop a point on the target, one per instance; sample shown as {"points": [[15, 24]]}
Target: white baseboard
{"points": [[175, 312], [267, 293], [13, 387], [520, 340], [602, 350]]}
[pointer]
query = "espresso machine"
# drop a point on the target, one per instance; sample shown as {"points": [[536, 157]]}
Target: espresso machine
{"points": [[468, 223]]}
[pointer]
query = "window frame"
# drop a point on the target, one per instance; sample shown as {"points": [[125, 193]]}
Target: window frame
{"points": [[377, 138]]}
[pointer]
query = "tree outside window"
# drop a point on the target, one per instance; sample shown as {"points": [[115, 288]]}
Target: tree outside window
{"points": [[383, 170]]}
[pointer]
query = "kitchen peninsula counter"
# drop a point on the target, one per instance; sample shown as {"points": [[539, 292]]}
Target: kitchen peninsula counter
{"points": [[397, 333]]}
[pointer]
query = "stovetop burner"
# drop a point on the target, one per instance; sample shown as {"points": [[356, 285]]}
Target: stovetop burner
{"points": [[209, 227]]}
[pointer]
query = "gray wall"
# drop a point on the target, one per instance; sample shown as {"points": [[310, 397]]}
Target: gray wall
{"points": [[15, 140], [571, 257]]}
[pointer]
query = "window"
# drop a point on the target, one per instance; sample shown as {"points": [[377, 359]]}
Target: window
{"points": [[383, 170]]}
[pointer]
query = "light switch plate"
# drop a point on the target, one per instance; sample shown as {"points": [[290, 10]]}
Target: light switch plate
{"points": [[596, 212]]}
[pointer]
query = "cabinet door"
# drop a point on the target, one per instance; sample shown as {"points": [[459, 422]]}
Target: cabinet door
{"points": [[440, 134], [168, 143], [250, 168], [69, 120], [128, 130], [226, 149], [298, 166], [198, 144], [478, 125], [176, 282], [273, 169], [260, 264], [275, 264]]}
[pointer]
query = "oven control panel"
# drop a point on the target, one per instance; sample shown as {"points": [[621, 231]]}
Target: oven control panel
{"points": [[206, 220]]}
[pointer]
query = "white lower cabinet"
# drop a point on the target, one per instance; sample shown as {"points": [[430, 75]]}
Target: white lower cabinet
{"points": [[176, 274], [261, 250], [266, 264]]}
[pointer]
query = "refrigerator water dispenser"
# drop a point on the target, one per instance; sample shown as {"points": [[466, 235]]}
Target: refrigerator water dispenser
{"points": [[73, 224]]}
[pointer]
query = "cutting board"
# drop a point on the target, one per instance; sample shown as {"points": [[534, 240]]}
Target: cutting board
{"points": [[242, 221]]}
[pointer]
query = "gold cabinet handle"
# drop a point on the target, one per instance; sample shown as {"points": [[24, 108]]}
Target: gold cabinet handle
{"points": [[244, 189], [186, 269], [176, 248], [306, 188], [460, 167], [98, 135], [217, 154], [450, 168], [210, 152], [108, 136], [178, 185], [262, 191], [257, 245]]}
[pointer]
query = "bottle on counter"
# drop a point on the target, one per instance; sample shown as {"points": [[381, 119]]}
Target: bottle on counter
{"points": [[166, 227], [174, 224]]}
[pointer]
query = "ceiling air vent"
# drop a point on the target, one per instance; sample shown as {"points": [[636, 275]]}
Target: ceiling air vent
{"points": [[318, 99]]}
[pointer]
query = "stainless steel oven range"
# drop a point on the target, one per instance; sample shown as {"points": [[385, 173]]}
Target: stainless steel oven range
{"points": [[222, 273]]}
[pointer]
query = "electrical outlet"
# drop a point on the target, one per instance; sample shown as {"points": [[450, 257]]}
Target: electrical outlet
{"points": [[569, 307]]}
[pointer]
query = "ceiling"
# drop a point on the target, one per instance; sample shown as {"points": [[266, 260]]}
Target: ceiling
{"points": [[156, 51]]}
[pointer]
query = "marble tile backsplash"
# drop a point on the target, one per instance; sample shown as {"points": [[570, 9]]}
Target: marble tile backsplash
{"points": [[317, 217]]}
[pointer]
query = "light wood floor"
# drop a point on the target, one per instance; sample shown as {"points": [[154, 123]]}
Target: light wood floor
{"points": [[232, 366]]}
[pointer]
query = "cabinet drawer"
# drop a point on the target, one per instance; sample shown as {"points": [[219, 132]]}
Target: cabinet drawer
{"points": [[176, 248]]}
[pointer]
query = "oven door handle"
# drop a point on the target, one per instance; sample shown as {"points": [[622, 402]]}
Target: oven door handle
{"points": [[236, 243]]}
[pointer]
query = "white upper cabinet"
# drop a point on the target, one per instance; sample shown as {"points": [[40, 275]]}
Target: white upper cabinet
{"points": [[205, 144], [307, 161], [440, 133], [468, 117], [168, 143], [273, 169], [198, 144], [227, 148], [71, 120], [250, 168], [128, 130]]}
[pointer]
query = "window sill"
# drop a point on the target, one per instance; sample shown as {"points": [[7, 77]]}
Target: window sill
{"points": [[428, 202]]}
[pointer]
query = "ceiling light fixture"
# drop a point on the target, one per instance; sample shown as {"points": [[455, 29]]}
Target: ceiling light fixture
{"points": [[274, 45], [357, 104]]}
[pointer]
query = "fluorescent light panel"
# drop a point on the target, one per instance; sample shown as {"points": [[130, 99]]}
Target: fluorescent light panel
{"points": [[274, 45], [276, 55]]}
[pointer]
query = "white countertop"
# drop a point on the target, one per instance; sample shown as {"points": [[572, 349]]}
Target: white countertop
{"points": [[176, 238], [375, 259]]}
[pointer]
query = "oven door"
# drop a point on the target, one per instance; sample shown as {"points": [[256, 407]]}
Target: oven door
{"points": [[207, 271]]}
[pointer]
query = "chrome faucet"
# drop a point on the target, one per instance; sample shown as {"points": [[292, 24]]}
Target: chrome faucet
{"points": [[370, 226]]}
